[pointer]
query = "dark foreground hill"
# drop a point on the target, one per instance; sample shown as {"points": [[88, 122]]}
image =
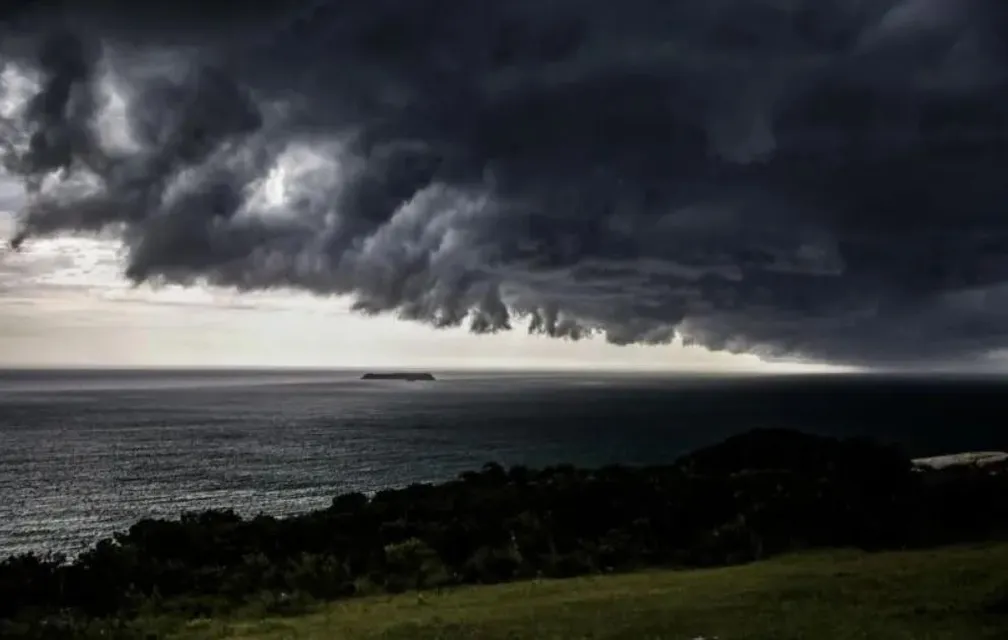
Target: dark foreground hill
{"points": [[756, 495]]}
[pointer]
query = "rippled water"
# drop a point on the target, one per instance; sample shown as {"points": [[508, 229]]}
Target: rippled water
{"points": [[84, 454]]}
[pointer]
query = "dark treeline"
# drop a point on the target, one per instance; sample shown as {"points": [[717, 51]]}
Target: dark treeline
{"points": [[755, 495]]}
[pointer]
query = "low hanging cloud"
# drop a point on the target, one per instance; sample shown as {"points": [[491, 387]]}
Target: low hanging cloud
{"points": [[820, 179]]}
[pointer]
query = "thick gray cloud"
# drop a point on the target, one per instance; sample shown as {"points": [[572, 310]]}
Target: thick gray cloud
{"points": [[792, 178]]}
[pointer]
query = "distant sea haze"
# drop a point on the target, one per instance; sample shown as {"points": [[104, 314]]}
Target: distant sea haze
{"points": [[83, 454]]}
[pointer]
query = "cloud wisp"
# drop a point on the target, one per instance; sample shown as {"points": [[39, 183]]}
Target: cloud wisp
{"points": [[819, 179]]}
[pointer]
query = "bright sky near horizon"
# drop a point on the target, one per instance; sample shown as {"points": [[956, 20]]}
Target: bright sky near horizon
{"points": [[63, 302]]}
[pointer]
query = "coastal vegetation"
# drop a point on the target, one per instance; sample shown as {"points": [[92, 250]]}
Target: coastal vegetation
{"points": [[755, 496]]}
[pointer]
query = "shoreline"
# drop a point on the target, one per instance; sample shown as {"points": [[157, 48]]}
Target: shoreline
{"points": [[937, 463]]}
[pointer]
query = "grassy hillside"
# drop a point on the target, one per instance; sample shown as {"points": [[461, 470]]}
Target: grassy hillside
{"points": [[956, 593]]}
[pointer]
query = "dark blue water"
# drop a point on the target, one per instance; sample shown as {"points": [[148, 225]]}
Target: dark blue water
{"points": [[83, 454]]}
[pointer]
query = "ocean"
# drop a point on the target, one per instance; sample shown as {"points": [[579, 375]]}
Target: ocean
{"points": [[87, 453]]}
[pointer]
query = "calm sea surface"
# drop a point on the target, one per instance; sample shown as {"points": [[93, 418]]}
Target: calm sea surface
{"points": [[83, 454]]}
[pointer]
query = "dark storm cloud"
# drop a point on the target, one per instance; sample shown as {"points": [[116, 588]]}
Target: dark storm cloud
{"points": [[792, 178]]}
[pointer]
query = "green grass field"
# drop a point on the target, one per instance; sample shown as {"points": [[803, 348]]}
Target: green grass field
{"points": [[955, 594]]}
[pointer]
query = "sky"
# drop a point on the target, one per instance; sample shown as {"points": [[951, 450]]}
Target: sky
{"points": [[690, 185]]}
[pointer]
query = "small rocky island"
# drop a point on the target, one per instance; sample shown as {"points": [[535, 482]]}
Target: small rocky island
{"points": [[408, 377]]}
